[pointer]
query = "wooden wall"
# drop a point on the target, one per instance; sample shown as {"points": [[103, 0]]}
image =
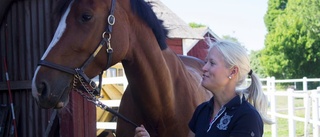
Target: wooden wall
{"points": [[25, 32], [176, 45], [200, 50]]}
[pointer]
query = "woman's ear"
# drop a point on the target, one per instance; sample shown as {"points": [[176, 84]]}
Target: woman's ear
{"points": [[234, 71]]}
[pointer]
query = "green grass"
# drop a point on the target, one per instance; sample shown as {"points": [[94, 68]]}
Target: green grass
{"points": [[282, 123]]}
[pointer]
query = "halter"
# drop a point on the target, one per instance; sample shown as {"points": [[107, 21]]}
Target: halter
{"points": [[79, 74]]}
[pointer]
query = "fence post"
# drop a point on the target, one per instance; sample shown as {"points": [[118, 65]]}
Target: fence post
{"points": [[291, 123], [305, 89], [306, 104], [315, 112], [271, 90], [307, 112]]}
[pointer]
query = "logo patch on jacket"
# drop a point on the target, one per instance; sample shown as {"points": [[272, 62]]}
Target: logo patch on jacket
{"points": [[224, 122]]}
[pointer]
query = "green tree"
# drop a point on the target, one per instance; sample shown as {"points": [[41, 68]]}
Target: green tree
{"points": [[293, 40], [275, 8], [196, 25], [256, 64]]}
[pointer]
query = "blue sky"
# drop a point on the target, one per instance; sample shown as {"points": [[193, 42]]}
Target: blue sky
{"points": [[242, 19]]}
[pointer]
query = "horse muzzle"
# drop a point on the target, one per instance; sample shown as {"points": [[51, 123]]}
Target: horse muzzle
{"points": [[50, 96]]}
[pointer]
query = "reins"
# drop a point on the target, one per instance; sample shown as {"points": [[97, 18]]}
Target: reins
{"points": [[79, 74]]}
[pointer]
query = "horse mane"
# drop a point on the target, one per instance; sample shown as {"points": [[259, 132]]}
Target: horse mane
{"points": [[144, 10]]}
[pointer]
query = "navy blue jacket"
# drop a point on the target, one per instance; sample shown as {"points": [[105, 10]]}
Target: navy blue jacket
{"points": [[237, 119]]}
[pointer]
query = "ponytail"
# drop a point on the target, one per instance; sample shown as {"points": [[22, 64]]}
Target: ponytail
{"points": [[257, 98]]}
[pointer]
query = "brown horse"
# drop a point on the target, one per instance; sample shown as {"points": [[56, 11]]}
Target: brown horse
{"points": [[163, 89]]}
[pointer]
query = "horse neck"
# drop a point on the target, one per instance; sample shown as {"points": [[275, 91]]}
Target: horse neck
{"points": [[152, 78]]}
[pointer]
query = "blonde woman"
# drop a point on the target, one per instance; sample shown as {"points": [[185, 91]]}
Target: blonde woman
{"points": [[232, 111]]}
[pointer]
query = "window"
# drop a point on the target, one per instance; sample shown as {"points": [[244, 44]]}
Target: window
{"points": [[112, 72], [120, 72]]}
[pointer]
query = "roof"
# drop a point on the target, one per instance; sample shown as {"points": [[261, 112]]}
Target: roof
{"points": [[176, 26], [204, 30], [189, 44]]}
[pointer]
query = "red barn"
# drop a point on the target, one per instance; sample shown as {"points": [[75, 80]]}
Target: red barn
{"points": [[199, 48], [182, 39], [179, 31]]}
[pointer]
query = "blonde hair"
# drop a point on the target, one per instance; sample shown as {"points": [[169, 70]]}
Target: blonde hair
{"points": [[236, 55]]}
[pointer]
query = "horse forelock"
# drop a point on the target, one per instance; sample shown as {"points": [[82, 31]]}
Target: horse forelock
{"points": [[60, 8], [144, 11]]}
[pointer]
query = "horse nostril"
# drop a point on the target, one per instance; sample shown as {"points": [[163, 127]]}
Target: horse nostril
{"points": [[42, 89]]}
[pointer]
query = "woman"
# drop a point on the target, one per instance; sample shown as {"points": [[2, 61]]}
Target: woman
{"points": [[232, 111]]}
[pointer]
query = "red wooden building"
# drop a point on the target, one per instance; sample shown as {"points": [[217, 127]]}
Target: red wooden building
{"points": [[198, 48], [182, 38]]}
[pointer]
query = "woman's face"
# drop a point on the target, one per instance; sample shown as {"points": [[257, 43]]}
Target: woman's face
{"points": [[215, 73]]}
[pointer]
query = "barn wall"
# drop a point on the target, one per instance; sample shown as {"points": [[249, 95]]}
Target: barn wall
{"points": [[25, 33], [200, 50], [176, 45], [22, 42]]}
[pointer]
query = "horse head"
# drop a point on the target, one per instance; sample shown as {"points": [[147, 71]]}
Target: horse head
{"points": [[83, 45], [92, 35]]}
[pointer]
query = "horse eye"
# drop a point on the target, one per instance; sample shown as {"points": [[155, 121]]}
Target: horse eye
{"points": [[86, 17]]}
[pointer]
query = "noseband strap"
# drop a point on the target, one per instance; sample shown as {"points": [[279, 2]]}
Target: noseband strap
{"points": [[56, 66]]}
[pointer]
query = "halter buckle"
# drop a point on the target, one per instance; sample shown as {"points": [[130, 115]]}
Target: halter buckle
{"points": [[93, 84], [111, 19]]}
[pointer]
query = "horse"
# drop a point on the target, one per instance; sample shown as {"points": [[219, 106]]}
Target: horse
{"points": [[163, 88]]}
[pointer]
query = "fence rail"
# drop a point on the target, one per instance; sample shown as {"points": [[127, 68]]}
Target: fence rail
{"points": [[311, 99], [311, 102]]}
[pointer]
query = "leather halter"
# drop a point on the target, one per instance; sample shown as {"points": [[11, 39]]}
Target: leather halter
{"points": [[80, 71]]}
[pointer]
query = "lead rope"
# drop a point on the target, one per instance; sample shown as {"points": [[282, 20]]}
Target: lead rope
{"points": [[92, 98]]}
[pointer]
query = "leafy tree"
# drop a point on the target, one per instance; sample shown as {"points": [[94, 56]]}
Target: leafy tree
{"points": [[293, 42], [275, 8], [196, 25], [256, 64]]}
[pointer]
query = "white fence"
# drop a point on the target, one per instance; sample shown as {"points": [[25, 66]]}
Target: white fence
{"points": [[311, 99], [310, 106]]}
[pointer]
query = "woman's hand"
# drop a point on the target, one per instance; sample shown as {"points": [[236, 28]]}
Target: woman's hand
{"points": [[141, 132]]}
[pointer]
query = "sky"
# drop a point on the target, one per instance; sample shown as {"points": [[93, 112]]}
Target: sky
{"points": [[242, 19]]}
